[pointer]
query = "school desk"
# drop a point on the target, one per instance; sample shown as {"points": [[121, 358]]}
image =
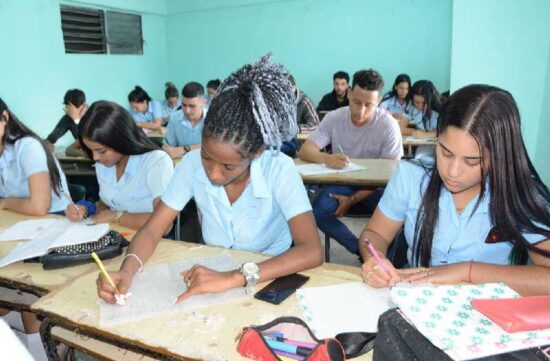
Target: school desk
{"points": [[303, 135], [411, 142], [74, 166], [377, 173], [21, 283], [203, 333]]}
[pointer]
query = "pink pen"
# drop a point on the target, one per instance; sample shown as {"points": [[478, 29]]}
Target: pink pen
{"points": [[377, 257]]}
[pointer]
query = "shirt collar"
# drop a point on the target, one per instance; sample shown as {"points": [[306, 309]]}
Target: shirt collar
{"points": [[132, 165]]}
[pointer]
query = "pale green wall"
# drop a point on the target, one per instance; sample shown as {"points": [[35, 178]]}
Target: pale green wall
{"points": [[36, 72], [312, 38], [506, 43], [542, 157]]}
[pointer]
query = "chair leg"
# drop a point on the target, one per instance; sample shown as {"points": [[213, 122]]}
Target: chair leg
{"points": [[327, 248]]}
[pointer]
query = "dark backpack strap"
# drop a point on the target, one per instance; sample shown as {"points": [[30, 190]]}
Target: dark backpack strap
{"points": [[356, 343]]}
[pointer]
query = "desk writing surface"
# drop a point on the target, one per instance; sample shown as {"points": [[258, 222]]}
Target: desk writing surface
{"points": [[31, 275], [377, 174], [205, 333]]}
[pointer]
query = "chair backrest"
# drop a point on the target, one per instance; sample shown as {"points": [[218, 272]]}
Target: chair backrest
{"points": [[77, 192]]}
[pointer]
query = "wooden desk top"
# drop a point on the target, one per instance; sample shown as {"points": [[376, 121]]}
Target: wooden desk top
{"points": [[205, 333], [410, 140], [303, 135], [377, 174], [157, 133], [63, 158], [31, 277]]}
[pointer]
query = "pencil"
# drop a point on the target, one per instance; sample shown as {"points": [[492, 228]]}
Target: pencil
{"points": [[102, 270], [71, 201], [377, 257]]}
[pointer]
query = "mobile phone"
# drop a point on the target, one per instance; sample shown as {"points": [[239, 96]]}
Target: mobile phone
{"points": [[280, 288]]}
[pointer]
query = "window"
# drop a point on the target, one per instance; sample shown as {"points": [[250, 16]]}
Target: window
{"points": [[95, 31]]}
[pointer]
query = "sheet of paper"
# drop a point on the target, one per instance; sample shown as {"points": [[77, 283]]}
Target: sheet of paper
{"points": [[412, 139], [154, 289], [310, 169], [347, 307], [58, 233], [25, 229], [443, 314]]}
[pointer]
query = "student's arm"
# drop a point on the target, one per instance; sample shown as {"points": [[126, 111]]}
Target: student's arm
{"points": [[156, 124], [526, 280], [143, 245], [310, 152], [59, 130], [345, 202], [38, 203], [404, 125], [306, 253]]}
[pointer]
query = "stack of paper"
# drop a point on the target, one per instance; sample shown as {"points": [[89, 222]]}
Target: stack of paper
{"points": [[443, 314], [45, 234], [310, 169]]}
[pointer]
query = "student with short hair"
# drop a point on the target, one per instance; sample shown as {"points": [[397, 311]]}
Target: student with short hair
{"points": [[132, 171], [184, 131], [479, 214], [171, 102], [250, 198], [146, 112], [211, 88], [31, 183], [75, 107], [338, 97], [360, 130], [397, 101]]}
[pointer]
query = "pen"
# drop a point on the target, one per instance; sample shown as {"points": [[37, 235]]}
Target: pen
{"points": [[377, 257], [102, 270], [340, 150], [68, 197], [281, 346]]}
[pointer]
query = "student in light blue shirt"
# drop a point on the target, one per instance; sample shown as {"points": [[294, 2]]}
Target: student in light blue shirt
{"points": [[184, 131], [250, 197], [131, 170], [477, 213], [211, 88], [31, 180], [171, 102], [424, 112], [146, 112], [398, 102]]}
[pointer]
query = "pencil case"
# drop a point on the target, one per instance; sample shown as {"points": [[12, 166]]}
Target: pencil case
{"points": [[287, 339], [516, 314]]}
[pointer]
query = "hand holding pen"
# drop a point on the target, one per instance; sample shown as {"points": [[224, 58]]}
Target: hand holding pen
{"points": [[73, 212], [337, 160], [378, 271]]}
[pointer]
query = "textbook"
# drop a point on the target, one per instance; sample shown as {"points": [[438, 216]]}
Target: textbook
{"points": [[446, 317], [41, 235]]}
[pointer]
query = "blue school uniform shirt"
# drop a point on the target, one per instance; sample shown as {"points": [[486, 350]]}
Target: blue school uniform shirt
{"points": [[457, 238], [180, 132], [417, 115], [258, 220], [21, 160], [393, 106], [154, 111], [168, 110], [145, 178]]}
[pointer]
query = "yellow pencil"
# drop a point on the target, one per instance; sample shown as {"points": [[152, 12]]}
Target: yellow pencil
{"points": [[102, 269]]}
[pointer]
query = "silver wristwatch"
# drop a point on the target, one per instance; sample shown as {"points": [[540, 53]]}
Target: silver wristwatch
{"points": [[251, 273]]}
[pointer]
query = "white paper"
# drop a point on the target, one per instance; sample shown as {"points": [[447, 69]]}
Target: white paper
{"points": [[310, 169], [58, 233], [347, 307], [154, 290], [25, 230], [412, 139]]}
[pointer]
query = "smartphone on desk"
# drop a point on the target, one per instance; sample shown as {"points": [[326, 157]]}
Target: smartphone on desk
{"points": [[280, 288]]}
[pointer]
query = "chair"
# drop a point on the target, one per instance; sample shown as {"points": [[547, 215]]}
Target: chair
{"points": [[77, 192]]}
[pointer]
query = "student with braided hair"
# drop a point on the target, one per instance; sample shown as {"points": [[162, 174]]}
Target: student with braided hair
{"points": [[250, 195]]}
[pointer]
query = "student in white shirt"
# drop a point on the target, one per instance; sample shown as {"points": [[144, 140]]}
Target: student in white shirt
{"points": [[131, 170]]}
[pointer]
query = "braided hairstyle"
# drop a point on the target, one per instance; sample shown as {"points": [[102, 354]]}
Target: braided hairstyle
{"points": [[254, 107]]}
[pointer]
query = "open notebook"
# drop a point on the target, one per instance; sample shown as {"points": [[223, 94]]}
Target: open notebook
{"points": [[41, 235]]}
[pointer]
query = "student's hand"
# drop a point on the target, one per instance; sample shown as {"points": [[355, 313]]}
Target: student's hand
{"points": [[337, 161], [76, 215], [174, 152], [401, 117], [344, 204], [375, 276], [200, 279], [104, 216], [447, 274], [122, 280]]}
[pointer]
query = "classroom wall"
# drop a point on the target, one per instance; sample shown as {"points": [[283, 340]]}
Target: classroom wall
{"points": [[506, 43], [36, 72], [313, 38]]}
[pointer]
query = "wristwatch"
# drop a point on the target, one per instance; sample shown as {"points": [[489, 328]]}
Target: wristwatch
{"points": [[251, 273], [187, 148]]}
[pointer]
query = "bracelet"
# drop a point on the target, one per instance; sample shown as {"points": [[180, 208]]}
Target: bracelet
{"points": [[470, 271], [136, 257]]}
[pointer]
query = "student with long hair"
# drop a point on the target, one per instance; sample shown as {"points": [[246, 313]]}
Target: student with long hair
{"points": [[146, 112], [480, 214], [397, 101], [211, 88], [254, 109], [31, 183], [171, 102], [424, 112], [131, 170]]}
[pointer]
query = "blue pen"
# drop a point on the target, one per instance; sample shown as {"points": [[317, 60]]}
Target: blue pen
{"points": [[281, 346]]}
